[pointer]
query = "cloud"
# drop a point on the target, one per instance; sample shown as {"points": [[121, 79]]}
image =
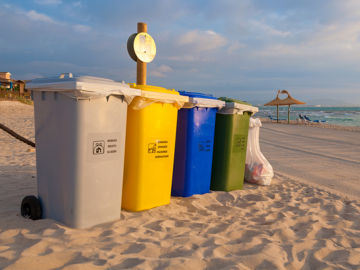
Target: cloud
{"points": [[186, 58], [200, 41], [35, 16], [191, 48], [160, 71], [36, 43], [266, 29], [48, 2], [326, 46], [81, 28], [252, 45], [77, 4], [235, 47]]}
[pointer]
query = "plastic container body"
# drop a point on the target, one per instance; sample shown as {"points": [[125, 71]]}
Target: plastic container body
{"points": [[194, 149], [79, 157], [149, 153], [231, 133]]}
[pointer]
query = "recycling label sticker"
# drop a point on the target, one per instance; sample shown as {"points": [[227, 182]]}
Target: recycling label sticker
{"points": [[158, 149], [239, 142], [204, 145], [99, 147], [104, 146]]}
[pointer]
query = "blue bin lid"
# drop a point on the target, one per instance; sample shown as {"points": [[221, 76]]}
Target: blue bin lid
{"points": [[196, 95], [201, 100]]}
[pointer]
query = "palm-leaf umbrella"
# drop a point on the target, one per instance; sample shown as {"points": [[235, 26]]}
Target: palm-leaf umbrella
{"points": [[283, 102]]}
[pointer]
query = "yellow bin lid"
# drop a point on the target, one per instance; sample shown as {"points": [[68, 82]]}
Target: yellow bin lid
{"points": [[160, 94]]}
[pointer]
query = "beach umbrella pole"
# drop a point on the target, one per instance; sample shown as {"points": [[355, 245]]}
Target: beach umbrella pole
{"points": [[277, 113], [288, 114]]}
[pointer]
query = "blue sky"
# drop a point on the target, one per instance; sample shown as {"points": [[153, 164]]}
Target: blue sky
{"points": [[239, 48]]}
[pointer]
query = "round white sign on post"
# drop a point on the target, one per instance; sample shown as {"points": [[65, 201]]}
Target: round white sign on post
{"points": [[144, 47]]}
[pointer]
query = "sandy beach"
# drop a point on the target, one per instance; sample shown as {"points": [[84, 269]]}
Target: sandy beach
{"points": [[308, 218]]}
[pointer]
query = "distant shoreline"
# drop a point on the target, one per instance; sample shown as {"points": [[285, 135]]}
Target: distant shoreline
{"points": [[320, 125], [314, 106], [267, 120]]}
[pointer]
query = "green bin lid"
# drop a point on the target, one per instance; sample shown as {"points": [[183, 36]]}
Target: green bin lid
{"points": [[226, 99], [237, 106]]}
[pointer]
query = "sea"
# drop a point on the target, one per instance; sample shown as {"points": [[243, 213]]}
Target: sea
{"points": [[344, 116]]}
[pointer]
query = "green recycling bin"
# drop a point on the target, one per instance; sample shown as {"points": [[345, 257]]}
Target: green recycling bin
{"points": [[230, 142]]}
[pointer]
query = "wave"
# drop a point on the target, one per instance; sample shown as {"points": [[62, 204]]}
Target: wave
{"points": [[349, 116]]}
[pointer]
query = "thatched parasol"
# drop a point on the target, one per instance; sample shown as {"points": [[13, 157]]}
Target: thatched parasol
{"points": [[283, 102]]}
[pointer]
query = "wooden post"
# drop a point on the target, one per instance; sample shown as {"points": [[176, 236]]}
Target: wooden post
{"points": [[277, 113], [21, 88], [288, 114], [141, 66]]}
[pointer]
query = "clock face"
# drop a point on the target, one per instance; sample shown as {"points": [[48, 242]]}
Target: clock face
{"points": [[144, 47]]}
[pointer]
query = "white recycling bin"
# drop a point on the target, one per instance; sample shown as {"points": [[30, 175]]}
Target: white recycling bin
{"points": [[80, 127]]}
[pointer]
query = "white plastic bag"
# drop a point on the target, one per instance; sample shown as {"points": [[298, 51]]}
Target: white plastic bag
{"points": [[257, 168], [149, 97]]}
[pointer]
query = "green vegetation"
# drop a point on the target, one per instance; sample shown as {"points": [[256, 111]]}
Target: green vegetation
{"points": [[7, 94], [25, 100]]}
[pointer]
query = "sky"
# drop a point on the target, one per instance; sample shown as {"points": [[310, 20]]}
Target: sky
{"points": [[244, 49]]}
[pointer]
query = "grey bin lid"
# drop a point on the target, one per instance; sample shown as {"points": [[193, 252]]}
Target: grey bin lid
{"points": [[83, 87]]}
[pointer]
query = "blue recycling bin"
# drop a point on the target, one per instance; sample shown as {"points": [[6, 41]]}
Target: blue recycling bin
{"points": [[194, 145]]}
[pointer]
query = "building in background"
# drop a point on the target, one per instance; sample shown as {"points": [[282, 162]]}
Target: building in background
{"points": [[10, 87], [5, 75], [5, 80], [10, 84]]}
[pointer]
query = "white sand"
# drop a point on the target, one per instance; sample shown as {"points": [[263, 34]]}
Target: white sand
{"points": [[327, 157], [288, 225]]}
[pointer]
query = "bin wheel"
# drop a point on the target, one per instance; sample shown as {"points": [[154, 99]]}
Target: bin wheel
{"points": [[31, 208]]}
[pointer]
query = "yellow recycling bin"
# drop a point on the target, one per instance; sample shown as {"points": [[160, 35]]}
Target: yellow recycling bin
{"points": [[150, 146]]}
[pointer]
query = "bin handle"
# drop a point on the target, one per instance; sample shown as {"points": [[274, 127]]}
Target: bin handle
{"points": [[66, 75]]}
